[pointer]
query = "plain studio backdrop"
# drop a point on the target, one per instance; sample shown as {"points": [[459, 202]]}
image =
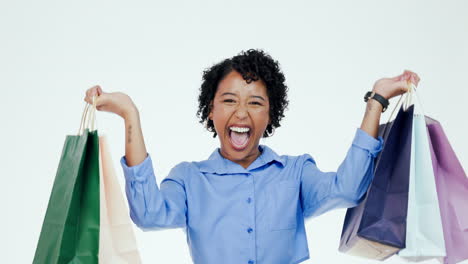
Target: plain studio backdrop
{"points": [[331, 53]]}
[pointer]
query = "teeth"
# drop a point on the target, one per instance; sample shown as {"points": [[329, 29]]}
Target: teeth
{"points": [[240, 129]]}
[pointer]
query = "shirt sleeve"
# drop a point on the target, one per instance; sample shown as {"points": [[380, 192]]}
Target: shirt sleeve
{"points": [[153, 208], [324, 191]]}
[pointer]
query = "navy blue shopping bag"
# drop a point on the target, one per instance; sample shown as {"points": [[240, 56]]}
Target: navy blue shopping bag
{"points": [[376, 228]]}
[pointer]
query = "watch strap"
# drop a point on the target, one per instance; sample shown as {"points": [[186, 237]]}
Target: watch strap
{"points": [[373, 95]]}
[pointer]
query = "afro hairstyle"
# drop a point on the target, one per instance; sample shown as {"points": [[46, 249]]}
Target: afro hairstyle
{"points": [[253, 65]]}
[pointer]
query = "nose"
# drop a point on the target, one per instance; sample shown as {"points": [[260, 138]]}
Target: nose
{"points": [[241, 112]]}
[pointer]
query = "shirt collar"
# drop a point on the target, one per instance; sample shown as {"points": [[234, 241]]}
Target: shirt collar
{"points": [[222, 166]]}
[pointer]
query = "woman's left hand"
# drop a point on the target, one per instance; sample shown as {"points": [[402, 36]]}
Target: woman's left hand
{"points": [[391, 87]]}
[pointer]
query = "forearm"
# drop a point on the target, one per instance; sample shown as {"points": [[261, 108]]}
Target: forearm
{"points": [[371, 120], [135, 150]]}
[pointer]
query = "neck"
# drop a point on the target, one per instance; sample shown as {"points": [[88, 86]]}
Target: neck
{"points": [[246, 161]]}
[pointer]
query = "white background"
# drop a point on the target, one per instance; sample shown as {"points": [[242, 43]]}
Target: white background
{"points": [[330, 51]]}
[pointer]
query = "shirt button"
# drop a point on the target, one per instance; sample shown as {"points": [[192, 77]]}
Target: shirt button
{"points": [[249, 230], [249, 200], [251, 262]]}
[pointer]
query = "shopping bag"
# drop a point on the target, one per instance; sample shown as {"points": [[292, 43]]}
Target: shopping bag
{"points": [[117, 244], [424, 233], [452, 190], [376, 228], [70, 231]]}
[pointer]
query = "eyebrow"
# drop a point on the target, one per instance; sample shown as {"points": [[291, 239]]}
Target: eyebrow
{"points": [[255, 96]]}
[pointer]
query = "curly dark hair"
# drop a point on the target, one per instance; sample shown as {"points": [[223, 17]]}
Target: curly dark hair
{"points": [[253, 64]]}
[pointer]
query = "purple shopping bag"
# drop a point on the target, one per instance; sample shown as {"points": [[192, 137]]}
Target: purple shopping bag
{"points": [[452, 191], [376, 228]]}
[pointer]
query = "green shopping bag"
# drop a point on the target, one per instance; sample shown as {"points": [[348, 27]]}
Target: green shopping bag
{"points": [[70, 231]]}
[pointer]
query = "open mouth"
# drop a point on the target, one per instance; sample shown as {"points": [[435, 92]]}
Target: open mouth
{"points": [[239, 137]]}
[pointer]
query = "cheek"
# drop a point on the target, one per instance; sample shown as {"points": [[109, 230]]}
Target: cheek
{"points": [[262, 118], [219, 117]]}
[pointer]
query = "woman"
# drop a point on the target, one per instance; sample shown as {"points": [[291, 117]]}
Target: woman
{"points": [[245, 203]]}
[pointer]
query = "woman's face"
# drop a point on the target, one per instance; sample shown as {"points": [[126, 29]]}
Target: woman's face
{"points": [[240, 114]]}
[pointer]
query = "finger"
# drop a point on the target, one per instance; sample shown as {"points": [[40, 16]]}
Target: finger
{"points": [[408, 72], [98, 100], [87, 93], [403, 86], [93, 90], [414, 78], [87, 100], [398, 77], [101, 100], [96, 90], [99, 90], [90, 93], [403, 77]]}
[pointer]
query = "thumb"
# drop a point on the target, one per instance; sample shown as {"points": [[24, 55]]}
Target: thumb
{"points": [[402, 77], [403, 85], [99, 90], [101, 100]]}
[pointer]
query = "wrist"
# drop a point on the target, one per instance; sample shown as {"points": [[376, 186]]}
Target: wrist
{"points": [[374, 106], [130, 114], [377, 98], [379, 92]]}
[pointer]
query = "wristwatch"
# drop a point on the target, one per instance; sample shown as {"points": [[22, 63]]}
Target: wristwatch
{"points": [[373, 95]]}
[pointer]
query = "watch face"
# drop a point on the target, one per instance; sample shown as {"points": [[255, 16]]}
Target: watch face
{"points": [[366, 97]]}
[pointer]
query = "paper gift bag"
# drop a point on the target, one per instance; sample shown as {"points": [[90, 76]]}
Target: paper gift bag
{"points": [[452, 190], [424, 233], [70, 231], [376, 228], [117, 241]]}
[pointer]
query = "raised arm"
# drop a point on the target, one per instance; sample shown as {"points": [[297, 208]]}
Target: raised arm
{"points": [[324, 191], [150, 207]]}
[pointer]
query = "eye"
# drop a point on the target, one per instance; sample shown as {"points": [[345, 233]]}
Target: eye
{"points": [[255, 103], [228, 101]]}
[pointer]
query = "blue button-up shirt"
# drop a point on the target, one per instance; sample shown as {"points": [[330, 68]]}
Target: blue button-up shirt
{"points": [[255, 215]]}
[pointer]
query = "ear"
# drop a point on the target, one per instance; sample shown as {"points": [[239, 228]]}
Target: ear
{"points": [[210, 115]]}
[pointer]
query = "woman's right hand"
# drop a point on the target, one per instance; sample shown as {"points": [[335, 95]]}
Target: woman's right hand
{"points": [[117, 102]]}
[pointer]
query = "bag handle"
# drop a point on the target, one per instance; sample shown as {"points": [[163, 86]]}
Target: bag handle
{"points": [[413, 99], [88, 118], [409, 98], [418, 102], [397, 106]]}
